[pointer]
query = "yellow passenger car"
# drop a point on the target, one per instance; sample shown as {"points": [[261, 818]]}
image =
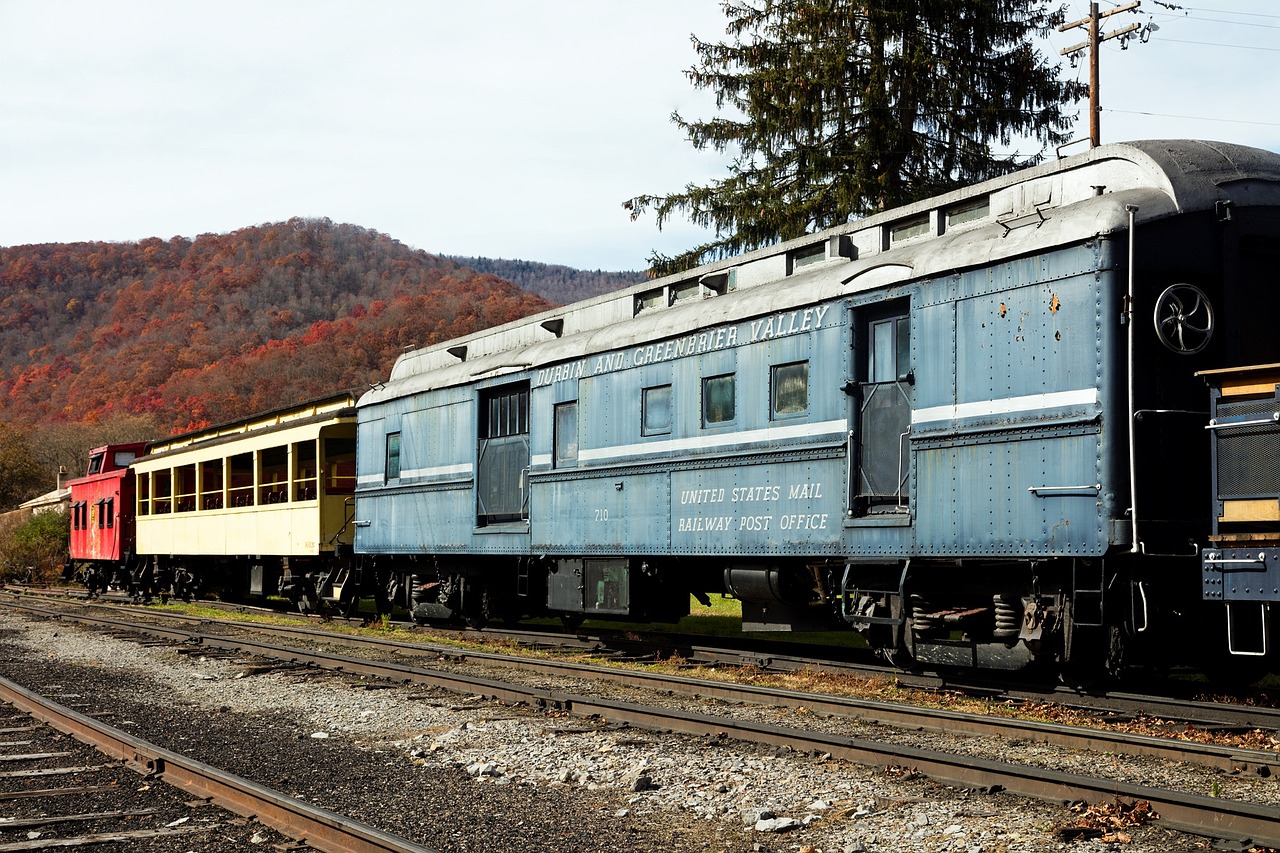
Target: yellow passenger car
{"points": [[254, 501]]}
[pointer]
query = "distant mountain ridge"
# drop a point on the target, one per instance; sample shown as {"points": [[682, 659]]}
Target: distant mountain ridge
{"points": [[553, 282], [195, 331]]}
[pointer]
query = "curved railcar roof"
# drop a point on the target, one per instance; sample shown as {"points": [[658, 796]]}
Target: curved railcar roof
{"points": [[318, 410], [1051, 204]]}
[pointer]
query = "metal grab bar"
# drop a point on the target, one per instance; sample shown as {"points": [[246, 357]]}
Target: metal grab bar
{"points": [[1274, 419], [1095, 489], [1219, 561], [1146, 619], [901, 445]]}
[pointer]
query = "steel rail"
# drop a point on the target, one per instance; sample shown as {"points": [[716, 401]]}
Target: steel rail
{"points": [[1193, 813], [1198, 712], [1229, 759], [1203, 714], [318, 828]]}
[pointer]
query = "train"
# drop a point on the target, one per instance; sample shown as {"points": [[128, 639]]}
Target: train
{"points": [[1030, 422]]}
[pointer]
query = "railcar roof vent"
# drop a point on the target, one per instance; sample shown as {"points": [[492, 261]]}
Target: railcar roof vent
{"points": [[459, 352], [719, 283], [554, 326]]}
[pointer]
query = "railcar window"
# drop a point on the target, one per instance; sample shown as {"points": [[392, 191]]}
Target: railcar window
{"points": [[95, 463], [124, 457], [916, 226], [162, 500], [685, 290], [655, 410], [211, 484], [508, 414], [718, 400], [340, 466], [808, 255], [240, 480], [144, 494], [110, 507], [651, 299], [304, 480], [790, 389], [890, 352], [393, 456], [273, 480], [184, 479], [970, 211], [566, 428]]}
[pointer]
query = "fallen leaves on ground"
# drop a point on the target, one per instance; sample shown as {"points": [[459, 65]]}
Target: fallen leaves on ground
{"points": [[1106, 821]]}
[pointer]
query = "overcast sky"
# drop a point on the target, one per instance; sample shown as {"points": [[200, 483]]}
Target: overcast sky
{"points": [[504, 128]]}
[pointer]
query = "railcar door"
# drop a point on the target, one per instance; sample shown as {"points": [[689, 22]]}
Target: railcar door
{"points": [[502, 456], [884, 413]]}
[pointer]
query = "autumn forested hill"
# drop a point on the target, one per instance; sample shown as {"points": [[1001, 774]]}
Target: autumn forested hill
{"points": [[195, 331]]}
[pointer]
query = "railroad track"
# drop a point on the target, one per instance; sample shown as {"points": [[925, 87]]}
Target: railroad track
{"points": [[50, 787], [1110, 708], [1231, 759], [1205, 815], [317, 828], [774, 657]]}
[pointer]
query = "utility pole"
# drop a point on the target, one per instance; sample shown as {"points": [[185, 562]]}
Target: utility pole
{"points": [[1092, 45]]}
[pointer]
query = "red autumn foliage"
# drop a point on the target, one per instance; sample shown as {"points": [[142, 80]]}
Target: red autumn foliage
{"points": [[206, 330]]}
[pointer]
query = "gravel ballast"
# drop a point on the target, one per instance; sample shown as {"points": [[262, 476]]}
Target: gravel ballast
{"points": [[460, 773]]}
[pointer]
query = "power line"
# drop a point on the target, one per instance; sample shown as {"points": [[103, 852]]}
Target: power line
{"points": [[1218, 44], [1228, 12], [1194, 118], [1249, 24]]}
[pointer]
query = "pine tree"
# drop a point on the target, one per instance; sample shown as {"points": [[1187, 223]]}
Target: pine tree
{"points": [[839, 108]]}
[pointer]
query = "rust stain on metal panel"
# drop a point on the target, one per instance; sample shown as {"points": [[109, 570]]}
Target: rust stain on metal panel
{"points": [[1054, 304]]}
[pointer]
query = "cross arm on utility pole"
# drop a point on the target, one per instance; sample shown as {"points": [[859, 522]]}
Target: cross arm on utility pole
{"points": [[1128, 7], [1095, 39]]}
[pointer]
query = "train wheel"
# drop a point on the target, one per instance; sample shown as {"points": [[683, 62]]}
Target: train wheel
{"points": [[571, 621], [476, 616], [899, 658], [895, 643], [1090, 655]]}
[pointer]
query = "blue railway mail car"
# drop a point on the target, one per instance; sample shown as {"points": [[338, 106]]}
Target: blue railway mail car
{"points": [[970, 427]]}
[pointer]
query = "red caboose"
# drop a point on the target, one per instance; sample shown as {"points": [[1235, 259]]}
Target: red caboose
{"points": [[102, 513]]}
